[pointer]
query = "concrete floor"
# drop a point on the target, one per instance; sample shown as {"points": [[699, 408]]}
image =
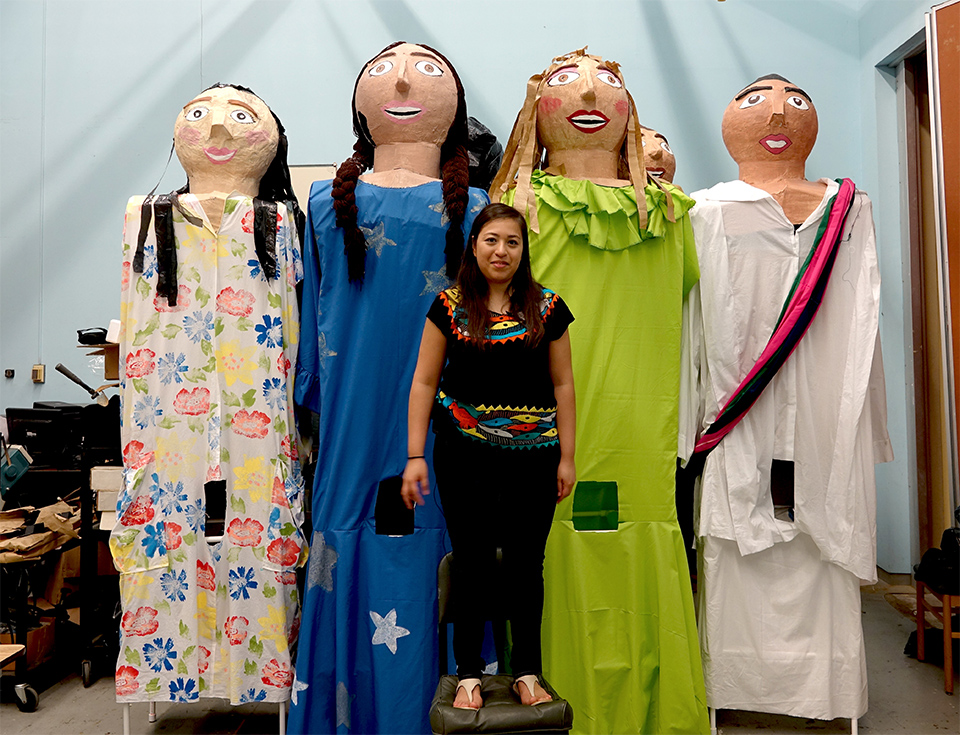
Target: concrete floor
{"points": [[906, 696]]}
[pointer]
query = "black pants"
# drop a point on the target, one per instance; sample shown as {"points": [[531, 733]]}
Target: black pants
{"points": [[496, 496]]}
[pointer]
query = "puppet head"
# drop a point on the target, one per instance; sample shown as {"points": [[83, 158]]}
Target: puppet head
{"points": [[226, 138], [579, 102], [405, 91], [770, 125], [658, 159]]}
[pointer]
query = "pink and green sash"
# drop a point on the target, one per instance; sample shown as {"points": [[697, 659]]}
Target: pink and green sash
{"points": [[797, 315]]}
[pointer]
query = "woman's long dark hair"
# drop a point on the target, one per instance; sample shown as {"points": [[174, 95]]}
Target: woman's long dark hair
{"points": [[275, 186], [454, 175], [526, 295]]}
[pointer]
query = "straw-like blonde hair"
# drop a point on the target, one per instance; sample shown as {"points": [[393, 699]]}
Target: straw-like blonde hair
{"points": [[525, 152]]}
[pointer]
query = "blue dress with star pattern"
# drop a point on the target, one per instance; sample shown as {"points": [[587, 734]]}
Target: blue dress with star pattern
{"points": [[367, 658]]}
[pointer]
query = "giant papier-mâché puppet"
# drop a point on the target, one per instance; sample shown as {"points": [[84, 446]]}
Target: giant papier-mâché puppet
{"points": [[620, 639], [784, 412], [209, 330], [386, 242]]}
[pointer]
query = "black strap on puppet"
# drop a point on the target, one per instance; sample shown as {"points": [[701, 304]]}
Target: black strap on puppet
{"points": [[265, 236]]}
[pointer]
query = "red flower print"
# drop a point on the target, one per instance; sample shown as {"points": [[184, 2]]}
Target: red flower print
{"points": [[206, 578], [213, 473], [139, 512], [254, 424], [279, 496], [235, 303], [286, 577], [203, 659], [235, 628], [287, 446], [140, 363], [134, 457], [141, 622], [247, 222], [283, 364], [160, 303], [127, 680], [283, 551], [173, 537], [275, 675], [125, 275], [195, 402], [245, 532]]}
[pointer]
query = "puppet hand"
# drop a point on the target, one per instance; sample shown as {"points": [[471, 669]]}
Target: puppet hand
{"points": [[416, 482], [566, 478]]}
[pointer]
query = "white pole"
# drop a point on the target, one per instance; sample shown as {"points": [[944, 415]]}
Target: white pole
{"points": [[152, 716], [713, 720], [126, 718], [283, 718]]}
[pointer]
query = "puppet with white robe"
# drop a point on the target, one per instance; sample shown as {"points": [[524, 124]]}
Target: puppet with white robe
{"points": [[787, 504]]}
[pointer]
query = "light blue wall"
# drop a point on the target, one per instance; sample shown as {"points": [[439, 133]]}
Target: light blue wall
{"points": [[89, 91]]}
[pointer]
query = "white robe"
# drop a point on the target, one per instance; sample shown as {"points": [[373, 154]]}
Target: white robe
{"points": [[826, 412]]}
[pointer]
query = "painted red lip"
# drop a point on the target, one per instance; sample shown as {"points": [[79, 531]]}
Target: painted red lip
{"points": [[776, 144], [588, 121], [220, 155]]}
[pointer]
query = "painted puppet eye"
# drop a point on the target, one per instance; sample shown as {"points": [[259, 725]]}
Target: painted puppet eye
{"points": [[242, 116], [564, 76], [751, 101], [429, 69], [666, 147], [609, 78], [380, 69], [195, 113], [643, 143], [799, 102]]}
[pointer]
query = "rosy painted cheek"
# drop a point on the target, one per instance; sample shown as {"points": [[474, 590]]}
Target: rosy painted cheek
{"points": [[549, 105], [623, 107], [255, 137], [190, 135]]}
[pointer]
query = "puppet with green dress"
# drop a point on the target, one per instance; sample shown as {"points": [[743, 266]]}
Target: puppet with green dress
{"points": [[619, 631]]}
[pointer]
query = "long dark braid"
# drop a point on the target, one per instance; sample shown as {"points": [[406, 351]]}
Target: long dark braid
{"points": [[454, 174]]}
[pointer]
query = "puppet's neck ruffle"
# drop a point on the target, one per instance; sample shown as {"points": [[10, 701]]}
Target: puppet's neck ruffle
{"points": [[606, 216]]}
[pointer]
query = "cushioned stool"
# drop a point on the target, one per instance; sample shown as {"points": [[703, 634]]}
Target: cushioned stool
{"points": [[501, 711]]}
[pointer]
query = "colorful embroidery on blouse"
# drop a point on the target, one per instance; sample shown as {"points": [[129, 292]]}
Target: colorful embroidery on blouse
{"points": [[509, 427], [503, 327]]}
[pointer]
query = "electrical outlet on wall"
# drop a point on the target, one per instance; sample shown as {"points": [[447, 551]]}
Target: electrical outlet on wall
{"points": [[38, 374]]}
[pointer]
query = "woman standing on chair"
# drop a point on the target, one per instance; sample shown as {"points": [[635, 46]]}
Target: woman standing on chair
{"points": [[496, 346]]}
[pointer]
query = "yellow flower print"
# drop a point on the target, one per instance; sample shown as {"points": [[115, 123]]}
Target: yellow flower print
{"points": [[173, 455], [206, 616], [273, 627], [135, 586], [236, 363], [253, 478]]}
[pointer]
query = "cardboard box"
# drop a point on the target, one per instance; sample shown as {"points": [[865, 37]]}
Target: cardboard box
{"points": [[40, 645], [107, 500], [111, 359], [64, 578], [106, 478]]}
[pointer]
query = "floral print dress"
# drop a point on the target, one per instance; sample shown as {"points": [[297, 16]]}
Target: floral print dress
{"points": [[208, 396]]}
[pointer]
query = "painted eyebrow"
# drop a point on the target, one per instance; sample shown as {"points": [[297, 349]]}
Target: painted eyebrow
{"points": [[662, 137], [747, 91], [798, 91], [433, 58], [244, 104], [198, 99]]}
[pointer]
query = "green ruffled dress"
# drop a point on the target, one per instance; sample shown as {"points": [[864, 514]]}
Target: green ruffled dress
{"points": [[619, 632]]}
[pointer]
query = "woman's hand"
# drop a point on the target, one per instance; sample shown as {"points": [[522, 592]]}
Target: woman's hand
{"points": [[416, 482], [566, 478]]}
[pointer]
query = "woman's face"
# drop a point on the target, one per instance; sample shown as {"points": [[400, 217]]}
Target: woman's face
{"points": [[499, 247], [583, 105], [770, 120], [658, 159], [227, 132], [407, 95]]}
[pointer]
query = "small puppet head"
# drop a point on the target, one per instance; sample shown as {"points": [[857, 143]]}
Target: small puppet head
{"points": [[226, 138], [407, 94], [658, 159], [579, 102], [770, 121]]}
